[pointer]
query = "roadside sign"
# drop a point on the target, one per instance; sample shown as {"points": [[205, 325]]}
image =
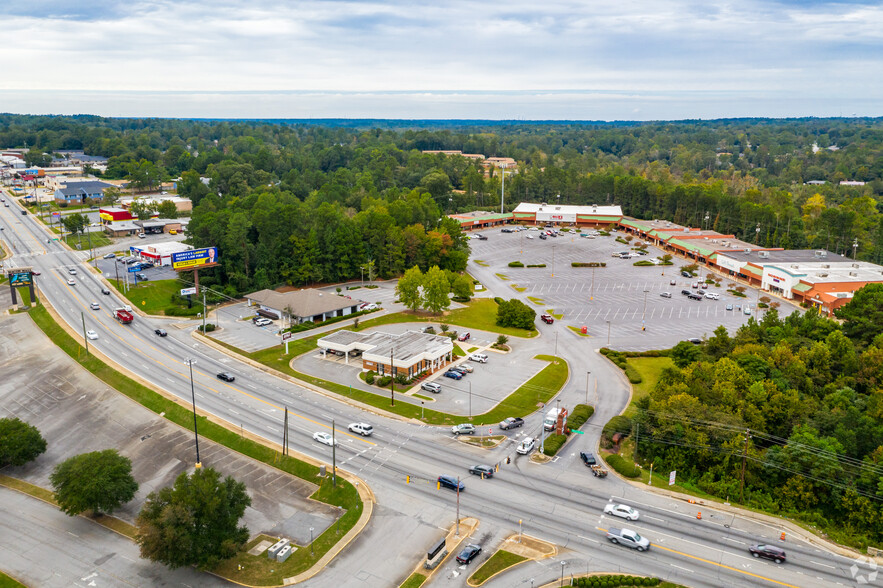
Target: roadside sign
{"points": [[188, 291], [576, 431], [287, 336], [671, 478]]}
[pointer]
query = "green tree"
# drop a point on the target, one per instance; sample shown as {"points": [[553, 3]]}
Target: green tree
{"points": [[408, 288], [685, 353], [515, 313], [143, 174], [141, 209], [461, 286], [167, 209], [19, 442], [863, 315], [194, 522], [99, 481], [435, 290], [111, 196], [75, 223]]}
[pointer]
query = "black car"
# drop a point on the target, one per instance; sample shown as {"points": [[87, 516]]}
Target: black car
{"points": [[695, 341], [543, 236], [469, 553], [482, 238], [686, 292], [686, 274], [450, 482], [588, 458], [484, 471], [777, 554], [162, 333], [141, 276], [227, 377], [105, 291]]}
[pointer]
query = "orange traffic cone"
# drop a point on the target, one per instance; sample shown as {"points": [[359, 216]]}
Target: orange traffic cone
{"points": [[782, 536], [699, 515]]}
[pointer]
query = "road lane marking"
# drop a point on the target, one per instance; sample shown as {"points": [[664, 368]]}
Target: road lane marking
{"points": [[823, 565], [681, 568], [726, 567]]}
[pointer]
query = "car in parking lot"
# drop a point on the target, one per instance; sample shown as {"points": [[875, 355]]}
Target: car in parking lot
{"points": [[665, 294], [527, 445], [110, 255], [547, 318], [464, 337], [431, 387], [325, 439], [687, 274], [693, 296], [368, 306], [363, 429], [469, 553], [91, 334], [485, 471], [511, 423], [622, 511], [588, 458], [463, 429], [95, 306], [746, 310], [141, 276], [453, 374], [543, 236], [450, 482], [712, 295], [694, 285], [777, 554], [704, 286], [262, 322], [465, 368], [226, 376], [672, 282], [161, 332], [479, 357], [686, 292], [729, 307], [481, 237]]}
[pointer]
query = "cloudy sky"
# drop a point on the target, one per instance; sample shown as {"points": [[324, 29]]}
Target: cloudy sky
{"points": [[521, 59]]}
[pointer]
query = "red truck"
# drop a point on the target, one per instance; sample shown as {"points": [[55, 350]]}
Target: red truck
{"points": [[123, 315]]}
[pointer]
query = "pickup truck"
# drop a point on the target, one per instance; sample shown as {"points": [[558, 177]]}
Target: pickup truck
{"points": [[123, 315], [628, 538]]}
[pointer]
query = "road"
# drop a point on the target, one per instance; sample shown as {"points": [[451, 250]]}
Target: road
{"points": [[559, 502]]}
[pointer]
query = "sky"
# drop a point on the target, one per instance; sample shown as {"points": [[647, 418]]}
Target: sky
{"points": [[406, 59]]}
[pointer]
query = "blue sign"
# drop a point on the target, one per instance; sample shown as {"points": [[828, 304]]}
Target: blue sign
{"points": [[134, 268], [195, 258]]}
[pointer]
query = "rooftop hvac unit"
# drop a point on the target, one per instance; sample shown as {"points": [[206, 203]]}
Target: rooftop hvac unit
{"points": [[822, 253], [823, 275], [855, 265], [853, 274], [826, 265], [842, 295], [765, 254], [748, 251]]}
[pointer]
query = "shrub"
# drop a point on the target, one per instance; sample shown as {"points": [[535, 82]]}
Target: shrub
{"points": [[618, 424], [588, 264], [384, 381], [517, 314], [209, 327], [579, 415], [553, 443], [632, 374], [401, 379], [623, 466], [536, 265], [444, 328], [644, 263], [460, 298], [502, 340], [498, 300], [516, 264], [178, 311], [369, 377]]}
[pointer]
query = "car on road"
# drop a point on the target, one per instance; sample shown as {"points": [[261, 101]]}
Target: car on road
{"points": [[226, 376], [666, 294], [71, 282], [463, 429], [95, 306], [547, 318], [482, 237], [623, 511], [105, 291], [454, 374], [479, 357], [91, 335], [363, 429], [469, 553], [511, 423], [527, 445], [588, 458], [450, 482], [431, 387], [325, 439], [110, 255], [729, 307], [777, 554], [161, 332], [628, 538], [484, 471], [464, 337], [72, 271]]}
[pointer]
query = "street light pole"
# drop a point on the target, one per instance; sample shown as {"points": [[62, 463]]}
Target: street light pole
{"points": [[190, 363], [553, 260], [608, 332], [587, 386], [854, 248], [592, 297], [563, 563], [644, 313]]}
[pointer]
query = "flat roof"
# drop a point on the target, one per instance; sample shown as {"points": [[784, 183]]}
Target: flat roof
{"points": [[787, 256], [533, 207], [404, 348], [303, 303]]}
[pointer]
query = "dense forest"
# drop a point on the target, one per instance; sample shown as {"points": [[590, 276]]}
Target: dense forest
{"points": [[329, 186], [801, 398]]}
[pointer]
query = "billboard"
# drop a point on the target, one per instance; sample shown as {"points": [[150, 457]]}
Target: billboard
{"points": [[20, 279], [195, 258], [188, 291]]}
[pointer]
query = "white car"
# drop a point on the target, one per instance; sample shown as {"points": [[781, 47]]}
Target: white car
{"points": [[325, 439], [712, 295], [72, 271], [370, 306], [91, 335], [363, 429], [95, 306], [623, 511], [466, 367], [479, 357], [527, 445], [71, 282]]}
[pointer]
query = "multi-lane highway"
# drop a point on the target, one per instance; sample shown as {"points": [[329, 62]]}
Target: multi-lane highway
{"points": [[560, 502]]}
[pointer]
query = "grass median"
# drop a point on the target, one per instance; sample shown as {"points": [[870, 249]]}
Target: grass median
{"points": [[498, 562], [344, 495], [8, 582]]}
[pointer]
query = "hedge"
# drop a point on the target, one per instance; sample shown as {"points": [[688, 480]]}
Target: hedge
{"points": [[615, 581], [579, 415], [536, 265], [553, 443], [623, 466], [588, 264], [644, 263], [516, 264], [618, 424]]}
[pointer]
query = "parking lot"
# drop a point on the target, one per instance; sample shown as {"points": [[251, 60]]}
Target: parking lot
{"points": [[485, 387], [617, 299]]}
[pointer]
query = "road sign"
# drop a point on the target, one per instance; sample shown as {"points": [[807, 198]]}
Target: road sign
{"points": [[671, 478], [576, 431], [287, 336], [188, 291]]}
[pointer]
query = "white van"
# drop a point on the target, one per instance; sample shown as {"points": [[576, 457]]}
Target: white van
{"points": [[552, 418], [479, 357]]}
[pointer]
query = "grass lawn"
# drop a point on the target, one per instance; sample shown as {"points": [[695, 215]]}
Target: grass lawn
{"points": [[415, 580], [256, 572], [650, 369], [578, 331], [518, 288], [535, 300], [481, 314], [98, 240], [498, 562], [557, 317], [154, 297], [7, 582]]}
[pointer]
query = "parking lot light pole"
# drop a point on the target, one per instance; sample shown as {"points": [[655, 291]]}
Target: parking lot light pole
{"points": [[588, 374], [644, 314], [592, 297], [190, 363], [563, 563], [608, 332]]}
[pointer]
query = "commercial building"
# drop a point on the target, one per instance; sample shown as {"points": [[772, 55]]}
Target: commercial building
{"points": [[480, 219], [301, 306], [160, 225], [581, 216], [159, 253], [410, 353]]}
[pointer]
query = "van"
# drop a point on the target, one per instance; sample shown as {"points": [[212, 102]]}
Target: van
{"points": [[552, 418]]}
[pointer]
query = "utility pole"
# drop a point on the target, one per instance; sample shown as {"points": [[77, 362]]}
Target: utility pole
{"points": [[744, 456], [392, 381], [190, 363], [85, 338], [587, 386], [333, 456], [204, 312], [458, 506]]}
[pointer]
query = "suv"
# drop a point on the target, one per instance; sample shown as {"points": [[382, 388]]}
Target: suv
{"points": [[777, 554], [463, 429], [450, 482], [430, 387], [527, 445], [686, 292], [363, 429], [511, 423], [588, 458]]}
